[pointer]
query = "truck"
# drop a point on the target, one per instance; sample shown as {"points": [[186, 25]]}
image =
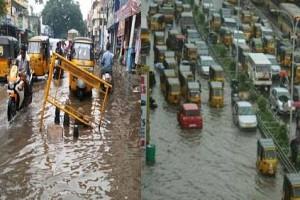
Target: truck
{"points": [[259, 70]]}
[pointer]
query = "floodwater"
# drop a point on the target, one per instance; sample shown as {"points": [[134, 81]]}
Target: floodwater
{"points": [[34, 167], [217, 162]]}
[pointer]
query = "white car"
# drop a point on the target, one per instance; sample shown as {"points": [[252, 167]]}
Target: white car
{"points": [[244, 116], [238, 37], [280, 100], [204, 64]]}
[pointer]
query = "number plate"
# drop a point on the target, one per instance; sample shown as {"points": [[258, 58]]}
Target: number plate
{"points": [[192, 125]]}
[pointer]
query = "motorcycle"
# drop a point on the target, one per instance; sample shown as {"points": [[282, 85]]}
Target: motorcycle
{"points": [[19, 92]]}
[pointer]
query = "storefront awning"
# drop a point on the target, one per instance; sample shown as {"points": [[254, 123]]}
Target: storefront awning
{"points": [[131, 8]]}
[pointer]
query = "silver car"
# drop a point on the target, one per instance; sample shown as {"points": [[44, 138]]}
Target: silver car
{"points": [[244, 116], [280, 100]]}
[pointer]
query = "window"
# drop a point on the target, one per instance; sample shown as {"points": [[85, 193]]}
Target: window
{"points": [[192, 113], [34, 47], [270, 154], [246, 110], [82, 51]]}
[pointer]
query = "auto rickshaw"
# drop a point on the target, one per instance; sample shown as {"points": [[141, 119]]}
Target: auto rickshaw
{"points": [[157, 22], [226, 36], [291, 186], [216, 94], [153, 9], [187, 7], [8, 52], [186, 21], [178, 9], [296, 94], [284, 53], [257, 30], [268, 44], [159, 38], [170, 63], [244, 49], [256, 45], [267, 160], [194, 92], [169, 54], [171, 40], [39, 53], [145, 37], [246, 16], [247, 31], [166, 73], [159, 53], [168, 13], [190, 52], [82, 57], [184, 78], [173, 91], [215, 22], [216, 73]]}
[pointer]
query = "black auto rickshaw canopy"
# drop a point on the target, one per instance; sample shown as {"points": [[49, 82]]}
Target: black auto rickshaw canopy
{"points": [[8, 47]]}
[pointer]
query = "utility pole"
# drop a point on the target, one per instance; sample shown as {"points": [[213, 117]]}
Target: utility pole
{"points": [[237, 45]]}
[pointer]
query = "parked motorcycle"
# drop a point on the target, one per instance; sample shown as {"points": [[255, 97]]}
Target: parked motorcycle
{"points": [[19, 92], [108, 78]]}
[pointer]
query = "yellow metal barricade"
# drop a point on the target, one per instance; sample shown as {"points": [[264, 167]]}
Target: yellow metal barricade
{"points": [[84, 75]]}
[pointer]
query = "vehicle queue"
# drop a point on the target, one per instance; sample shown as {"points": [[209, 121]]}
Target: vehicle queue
{"points": [[257, 47]]}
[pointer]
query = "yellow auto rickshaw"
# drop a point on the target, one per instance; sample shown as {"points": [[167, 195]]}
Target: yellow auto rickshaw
{"points": [[166, 73], [159, 38], [268, 44], [246, 16], [169, 54], [170, 63], [145, 37], [168, 12], [291, 186], [171, 40], [190, 52], [173, 91], [157, 22], [159, 53], [216, 94], [82, 56], [226, 36], [153, 9], [184, 79], [284, 53], [216, 73], [257, 30], [8, 51], [194, 92], [215, 22], [246, 28], [39, 53], [256, 45], [267, 160]]}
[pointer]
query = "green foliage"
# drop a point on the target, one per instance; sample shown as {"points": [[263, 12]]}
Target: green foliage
{"points": [[62, 16], [262, 105], [2, 8]]}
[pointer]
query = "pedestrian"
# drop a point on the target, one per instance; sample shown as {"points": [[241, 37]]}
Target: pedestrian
{"points": [[107, 61]]}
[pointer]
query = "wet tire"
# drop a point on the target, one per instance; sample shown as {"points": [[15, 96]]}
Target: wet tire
{"points": [[11, 109]]}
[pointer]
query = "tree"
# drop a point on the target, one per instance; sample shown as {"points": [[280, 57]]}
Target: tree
{"points": [[2, 8], [63, 15]]}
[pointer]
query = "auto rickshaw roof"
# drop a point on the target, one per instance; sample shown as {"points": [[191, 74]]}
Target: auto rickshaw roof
{"points": [[216, 67], [184, 68], [216, 84], [186, 6], [169, 73], [187, 14], [217, 15], [187, 74], [244, 46], [161, 47], [153, 5], [170, 60], [83, 40], [169, 54], [246, 26], [166, 10], [190, 45], [159, 34], [173, 32], [38, 38], [4, 40], [193, 85], [266, 142], [173, 81], [293, 178], [157, 16], [190, 106], [257, 40]]}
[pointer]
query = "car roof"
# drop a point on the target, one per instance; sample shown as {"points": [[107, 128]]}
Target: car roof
{"points": [[244, 104], [280, 89], [266, 142], [193, 85], [206, 58], [190, 106], [294, 178]]}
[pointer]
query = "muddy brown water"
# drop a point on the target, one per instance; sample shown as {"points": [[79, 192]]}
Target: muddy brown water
{"points": [[95, 166]]}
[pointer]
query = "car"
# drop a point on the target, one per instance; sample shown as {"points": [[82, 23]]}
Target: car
{"points": [[204, 62], [189, 116], [244, 116], [275, 67], [280, 100], [238, 37]]}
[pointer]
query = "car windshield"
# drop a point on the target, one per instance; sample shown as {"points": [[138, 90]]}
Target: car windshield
{"points": [[283, 93], [34, 47], [192, 112], [239, 36], [263, 68], [207, 62], [270, 154], [82, 51], [247, 110]]}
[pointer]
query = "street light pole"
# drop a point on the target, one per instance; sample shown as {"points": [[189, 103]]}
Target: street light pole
{"points": [[237, 45]]}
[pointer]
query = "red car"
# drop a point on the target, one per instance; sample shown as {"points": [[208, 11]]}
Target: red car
{"points": [[189, 116]]}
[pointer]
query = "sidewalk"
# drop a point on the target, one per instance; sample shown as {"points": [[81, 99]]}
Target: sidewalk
{"points": [[123, 112]]}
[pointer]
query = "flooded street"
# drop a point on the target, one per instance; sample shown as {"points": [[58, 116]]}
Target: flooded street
{"points": [[94, 166], [217, 162]]}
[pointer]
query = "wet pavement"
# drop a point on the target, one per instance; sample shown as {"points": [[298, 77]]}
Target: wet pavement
{"points": [[217, 162], [98, 165]]}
